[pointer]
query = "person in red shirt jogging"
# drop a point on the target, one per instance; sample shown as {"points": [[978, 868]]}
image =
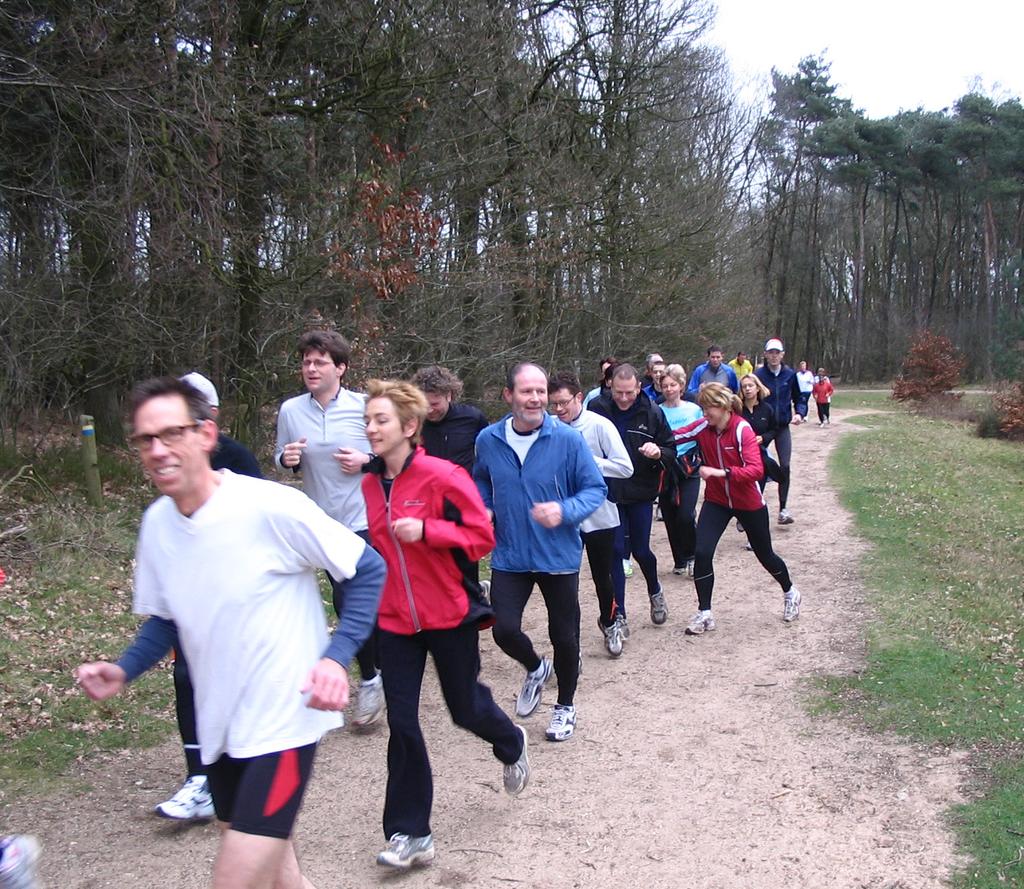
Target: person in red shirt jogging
{"points": [[731, 470], [822, 393], [427, 520]]}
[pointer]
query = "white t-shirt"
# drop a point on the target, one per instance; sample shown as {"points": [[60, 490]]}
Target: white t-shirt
{"points": [[238, 578], [612, 460], [805, 379], [521, 444]]}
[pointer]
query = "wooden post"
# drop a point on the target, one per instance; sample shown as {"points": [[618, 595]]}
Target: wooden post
{"points": [[89, 460]]}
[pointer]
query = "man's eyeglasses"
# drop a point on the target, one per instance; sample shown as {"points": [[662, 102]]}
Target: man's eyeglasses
{"points": [[561, 405], [169, 437], [318, 363]]}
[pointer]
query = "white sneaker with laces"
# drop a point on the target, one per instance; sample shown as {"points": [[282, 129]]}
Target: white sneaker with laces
{"points": [[192, 802], [563, 723], [18, 866], [784, 517], [613, 637], [701, 622], [370, 706], [659, 611], [516, 775], [791, 604], [403, 851], [533, 686]]}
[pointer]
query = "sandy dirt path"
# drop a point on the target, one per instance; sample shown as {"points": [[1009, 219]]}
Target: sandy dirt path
{"points": [[694, 762]]}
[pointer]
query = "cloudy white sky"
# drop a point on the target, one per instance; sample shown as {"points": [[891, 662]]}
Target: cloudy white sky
{"points": [[886, 55]]}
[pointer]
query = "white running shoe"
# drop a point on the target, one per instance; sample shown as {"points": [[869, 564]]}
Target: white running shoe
{"points": [[192, 802], [659, 611], [18, 866], [563, 723], [784, 517], [403, 851], [533, 686], [791, 604], [613, 637], [370, 706], [516, 775], [701, 622]]}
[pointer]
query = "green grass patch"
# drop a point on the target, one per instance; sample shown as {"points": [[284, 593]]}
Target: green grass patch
{"points": [[971, 401], [993, 829], [68, 600], [945, 661], [857, 399]]}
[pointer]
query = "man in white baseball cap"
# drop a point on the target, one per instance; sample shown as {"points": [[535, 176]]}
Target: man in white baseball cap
{"points": [[789, 407]]}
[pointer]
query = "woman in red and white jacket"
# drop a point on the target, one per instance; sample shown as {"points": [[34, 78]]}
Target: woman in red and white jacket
{"points": [[428, 522], [731, 470]]}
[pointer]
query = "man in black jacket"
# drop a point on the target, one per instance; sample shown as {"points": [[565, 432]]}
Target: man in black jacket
{"points": [[451, 428], [648, 439]]}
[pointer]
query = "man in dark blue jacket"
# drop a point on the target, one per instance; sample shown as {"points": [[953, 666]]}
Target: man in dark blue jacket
{"points": [[649, 442], [787, 402]]}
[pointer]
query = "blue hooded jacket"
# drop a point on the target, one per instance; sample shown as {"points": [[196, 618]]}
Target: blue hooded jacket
{"points": [[559, 467]]}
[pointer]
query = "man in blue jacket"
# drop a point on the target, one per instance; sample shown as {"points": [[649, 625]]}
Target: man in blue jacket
{"points": [[539, 481], [786, 401], [711, 371]]}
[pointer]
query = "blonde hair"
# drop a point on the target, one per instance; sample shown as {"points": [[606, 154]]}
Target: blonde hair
{"points": [[762, 389], [678, 373], [717, 395], [410, 403]]}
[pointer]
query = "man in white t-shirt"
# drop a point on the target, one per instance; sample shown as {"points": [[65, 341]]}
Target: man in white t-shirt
{"points": [[226, 567]]}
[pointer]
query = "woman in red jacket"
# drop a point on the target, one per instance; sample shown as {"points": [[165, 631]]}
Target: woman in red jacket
{"points": [[822, 392], [428, 522], [732, 467]]}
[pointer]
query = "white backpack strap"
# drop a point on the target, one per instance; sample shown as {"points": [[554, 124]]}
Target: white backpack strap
{"points": [[739, 438]]}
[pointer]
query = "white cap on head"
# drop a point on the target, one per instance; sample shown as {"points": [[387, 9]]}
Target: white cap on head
{"points": [[774, 343], [208, 390]]}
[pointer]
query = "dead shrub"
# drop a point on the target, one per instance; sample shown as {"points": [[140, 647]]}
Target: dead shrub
{"points": [[1008, 404], [931, 367]]}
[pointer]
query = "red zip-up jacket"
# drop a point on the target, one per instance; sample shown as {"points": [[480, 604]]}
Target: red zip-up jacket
{"points": [[429, 586], [735, 448], [823, 390]]}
